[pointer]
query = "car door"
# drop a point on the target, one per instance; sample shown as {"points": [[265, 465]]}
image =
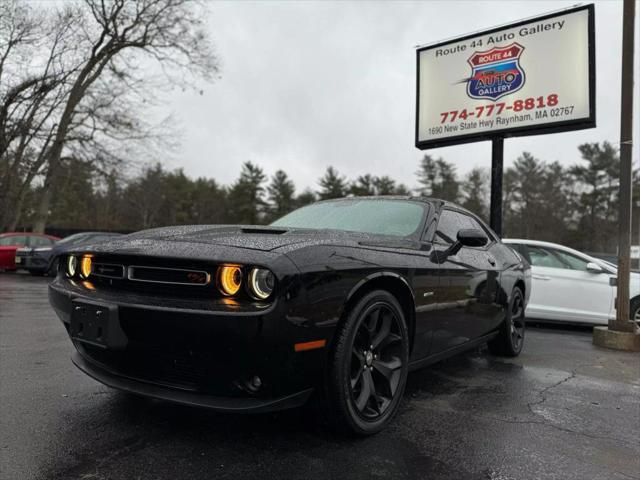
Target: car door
{"points": [[469, 279], [8, 246], [563, 288]]}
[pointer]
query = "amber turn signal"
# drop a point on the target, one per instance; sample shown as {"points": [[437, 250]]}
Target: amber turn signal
{"points": [[229, 279], [302, 347]]}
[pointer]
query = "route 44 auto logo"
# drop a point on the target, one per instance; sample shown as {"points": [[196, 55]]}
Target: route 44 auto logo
{"points": [[496, 72]]}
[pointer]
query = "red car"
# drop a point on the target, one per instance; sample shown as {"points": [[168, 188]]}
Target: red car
{"points": [[10, 242]]}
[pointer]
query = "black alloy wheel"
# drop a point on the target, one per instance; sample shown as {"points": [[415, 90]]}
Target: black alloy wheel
{"points": [[510, 338], [517, 321], [369, 365], [376, 360]]}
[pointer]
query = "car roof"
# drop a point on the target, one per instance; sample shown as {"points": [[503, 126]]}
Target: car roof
{"points": [[92, 233], [418, 198], [28, 234]]}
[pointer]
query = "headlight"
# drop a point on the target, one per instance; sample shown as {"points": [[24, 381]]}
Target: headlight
{"points": [[85, 266], [261, 283], [230, 279], [42, 249], [72, 266]]}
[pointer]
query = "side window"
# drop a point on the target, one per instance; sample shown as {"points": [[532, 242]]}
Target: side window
{"points": [[571, 261], [473, 223], [39, 241], [522, 250], [449, 224], [14, 240], [552, 258]]}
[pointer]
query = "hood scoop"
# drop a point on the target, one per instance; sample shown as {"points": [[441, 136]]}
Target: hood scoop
{"points": [[267, 231]]}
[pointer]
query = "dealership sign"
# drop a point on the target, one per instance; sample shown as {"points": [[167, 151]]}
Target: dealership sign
{"points": [[531, 77]]}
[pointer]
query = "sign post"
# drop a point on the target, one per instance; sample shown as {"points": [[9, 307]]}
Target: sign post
{"points": [[622, 333], [497, 168], [531, 77]]}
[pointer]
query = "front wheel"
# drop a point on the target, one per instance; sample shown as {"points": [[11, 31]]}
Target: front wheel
{"points": [[510, 338], [369, 365]]}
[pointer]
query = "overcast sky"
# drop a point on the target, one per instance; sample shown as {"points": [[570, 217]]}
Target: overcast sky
{"points": [[305, 85]]}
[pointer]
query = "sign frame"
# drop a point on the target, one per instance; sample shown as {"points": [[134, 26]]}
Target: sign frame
{"points": [[551, 127]]}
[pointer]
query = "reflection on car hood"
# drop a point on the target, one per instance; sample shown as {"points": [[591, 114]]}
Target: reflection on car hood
{"points": [[261, 238]]}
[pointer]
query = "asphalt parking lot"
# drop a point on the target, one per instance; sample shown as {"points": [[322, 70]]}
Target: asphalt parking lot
{"points": [[564, 409]]}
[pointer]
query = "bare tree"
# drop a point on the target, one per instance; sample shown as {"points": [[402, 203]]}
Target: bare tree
{"points": [[106, 46], [33, 69]]}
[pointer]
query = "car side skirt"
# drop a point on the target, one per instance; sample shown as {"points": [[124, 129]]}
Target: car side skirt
{"points": [[431, 359]]}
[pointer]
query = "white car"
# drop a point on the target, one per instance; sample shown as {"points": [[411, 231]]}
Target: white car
{"points": [[570, 286]]}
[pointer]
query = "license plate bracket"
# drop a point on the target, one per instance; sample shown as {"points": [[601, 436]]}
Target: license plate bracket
{"points": [[97, 324]]}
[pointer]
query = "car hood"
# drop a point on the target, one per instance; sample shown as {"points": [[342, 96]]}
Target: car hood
{"points": [[255, 238]]}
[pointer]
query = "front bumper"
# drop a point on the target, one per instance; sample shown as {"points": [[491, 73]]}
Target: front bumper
{"points": [[218, 403], [191, 353], [31, 262]]}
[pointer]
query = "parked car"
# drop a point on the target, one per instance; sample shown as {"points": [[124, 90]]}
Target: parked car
{"points": [[571, 286], [10, 242], [341, 297], [44, 260]]}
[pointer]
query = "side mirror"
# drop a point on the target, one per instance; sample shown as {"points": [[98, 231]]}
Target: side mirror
{"points": [[472, 238], [593, 267]]}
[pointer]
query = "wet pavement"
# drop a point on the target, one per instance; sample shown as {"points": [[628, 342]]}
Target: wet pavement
{"points": [[564, 410]]}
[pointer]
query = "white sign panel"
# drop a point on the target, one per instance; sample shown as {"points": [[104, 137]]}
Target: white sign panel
{"points": [[535, 76]]}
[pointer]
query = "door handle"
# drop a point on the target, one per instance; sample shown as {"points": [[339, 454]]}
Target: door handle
{"points": [[492, 261], [540, 277]]}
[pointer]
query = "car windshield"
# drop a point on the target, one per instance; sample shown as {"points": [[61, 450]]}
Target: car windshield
{"points": [[382, 217]]}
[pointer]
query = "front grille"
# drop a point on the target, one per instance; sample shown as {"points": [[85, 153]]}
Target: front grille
{"points": [[174, 276], [107, 270]]}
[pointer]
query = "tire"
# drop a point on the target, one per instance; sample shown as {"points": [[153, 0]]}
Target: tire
{"points": [[510, 339], [365, 385], [634, 310]]}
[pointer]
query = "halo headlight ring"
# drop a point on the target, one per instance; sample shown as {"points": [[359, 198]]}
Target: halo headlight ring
{"points": [[85, 266], [72, 266], [229, 279], [261, 283]]}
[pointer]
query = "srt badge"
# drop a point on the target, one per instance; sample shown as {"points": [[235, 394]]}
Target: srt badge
{"points": [[496, 72]]}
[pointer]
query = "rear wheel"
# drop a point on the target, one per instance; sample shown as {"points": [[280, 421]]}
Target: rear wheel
{"points": [[369, 366], [510, 339]]}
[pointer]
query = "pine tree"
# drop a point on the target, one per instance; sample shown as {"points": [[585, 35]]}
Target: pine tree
{"points": [[475, 192], [385, 185], [246, 202], [305, 198], [281, 195], [438, 179], [363, 186], [333, 185]]}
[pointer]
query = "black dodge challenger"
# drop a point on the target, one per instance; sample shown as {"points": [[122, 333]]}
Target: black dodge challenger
{"points": [[340, 298]]}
